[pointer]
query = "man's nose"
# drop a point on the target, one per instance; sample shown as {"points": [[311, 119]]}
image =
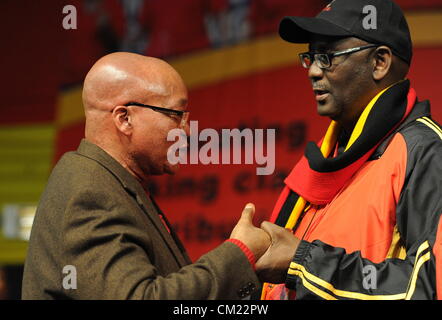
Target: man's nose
{"points": [[314, 72]]}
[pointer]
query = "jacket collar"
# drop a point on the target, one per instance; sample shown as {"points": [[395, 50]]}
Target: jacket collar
{"points": [[94, 152], [420, 109], [135, 189]]}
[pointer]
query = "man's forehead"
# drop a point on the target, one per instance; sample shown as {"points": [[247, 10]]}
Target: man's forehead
{"points": [[156, 89], [164, 88], [168, 99]]}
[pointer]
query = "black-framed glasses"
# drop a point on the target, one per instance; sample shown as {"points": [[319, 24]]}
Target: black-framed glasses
{"points": [[324, 60], [183, 114]]}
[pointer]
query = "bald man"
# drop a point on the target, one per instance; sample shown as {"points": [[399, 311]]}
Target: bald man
{"points": [[97, 234]]}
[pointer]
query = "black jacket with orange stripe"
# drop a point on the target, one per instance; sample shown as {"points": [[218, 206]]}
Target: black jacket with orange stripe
{"points": [[381, 236]]}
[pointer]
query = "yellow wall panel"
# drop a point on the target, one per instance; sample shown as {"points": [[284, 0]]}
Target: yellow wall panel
{"points": [[26, 154]]}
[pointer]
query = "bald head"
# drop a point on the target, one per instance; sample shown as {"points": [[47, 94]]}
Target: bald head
{"points": [[121, 77], [118, 79]]}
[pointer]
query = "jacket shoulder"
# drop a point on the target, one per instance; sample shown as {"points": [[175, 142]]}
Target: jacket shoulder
{"points": [[423, 138], [74, 170], [423, 131]]}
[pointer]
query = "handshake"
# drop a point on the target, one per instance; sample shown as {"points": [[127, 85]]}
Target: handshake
{"points": [[272, 245]]}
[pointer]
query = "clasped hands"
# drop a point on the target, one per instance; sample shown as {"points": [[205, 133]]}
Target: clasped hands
{"points": [[272, 245]]}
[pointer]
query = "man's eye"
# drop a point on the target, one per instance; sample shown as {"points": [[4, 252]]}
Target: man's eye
{"points": [[174, 116], [323, 58]]}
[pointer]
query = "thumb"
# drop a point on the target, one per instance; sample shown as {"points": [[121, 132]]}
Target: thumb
{"points": [[272, 229], [247, 213]]}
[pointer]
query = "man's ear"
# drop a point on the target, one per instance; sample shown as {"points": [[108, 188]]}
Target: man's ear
{"points": [[383, 58], [122, 120]]}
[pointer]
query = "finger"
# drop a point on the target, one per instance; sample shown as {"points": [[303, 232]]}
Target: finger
{"points": [[247, 213], [271, 228]]}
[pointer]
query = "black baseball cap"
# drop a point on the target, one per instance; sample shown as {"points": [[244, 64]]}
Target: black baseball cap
{"points": [[350, 18]]}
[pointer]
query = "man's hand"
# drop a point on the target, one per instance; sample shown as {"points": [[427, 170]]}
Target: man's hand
{"points": [[273, 265], [256, 239]]}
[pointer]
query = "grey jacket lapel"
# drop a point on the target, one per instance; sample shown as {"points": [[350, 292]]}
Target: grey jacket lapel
{"points": [[151, 211]]}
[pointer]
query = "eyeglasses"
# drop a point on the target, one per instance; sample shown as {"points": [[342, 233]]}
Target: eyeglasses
{"points": [[183, 114], [324, 60]]}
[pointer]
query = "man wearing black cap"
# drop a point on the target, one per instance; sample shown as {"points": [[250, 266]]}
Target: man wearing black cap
{"points": [[364, 203]]}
